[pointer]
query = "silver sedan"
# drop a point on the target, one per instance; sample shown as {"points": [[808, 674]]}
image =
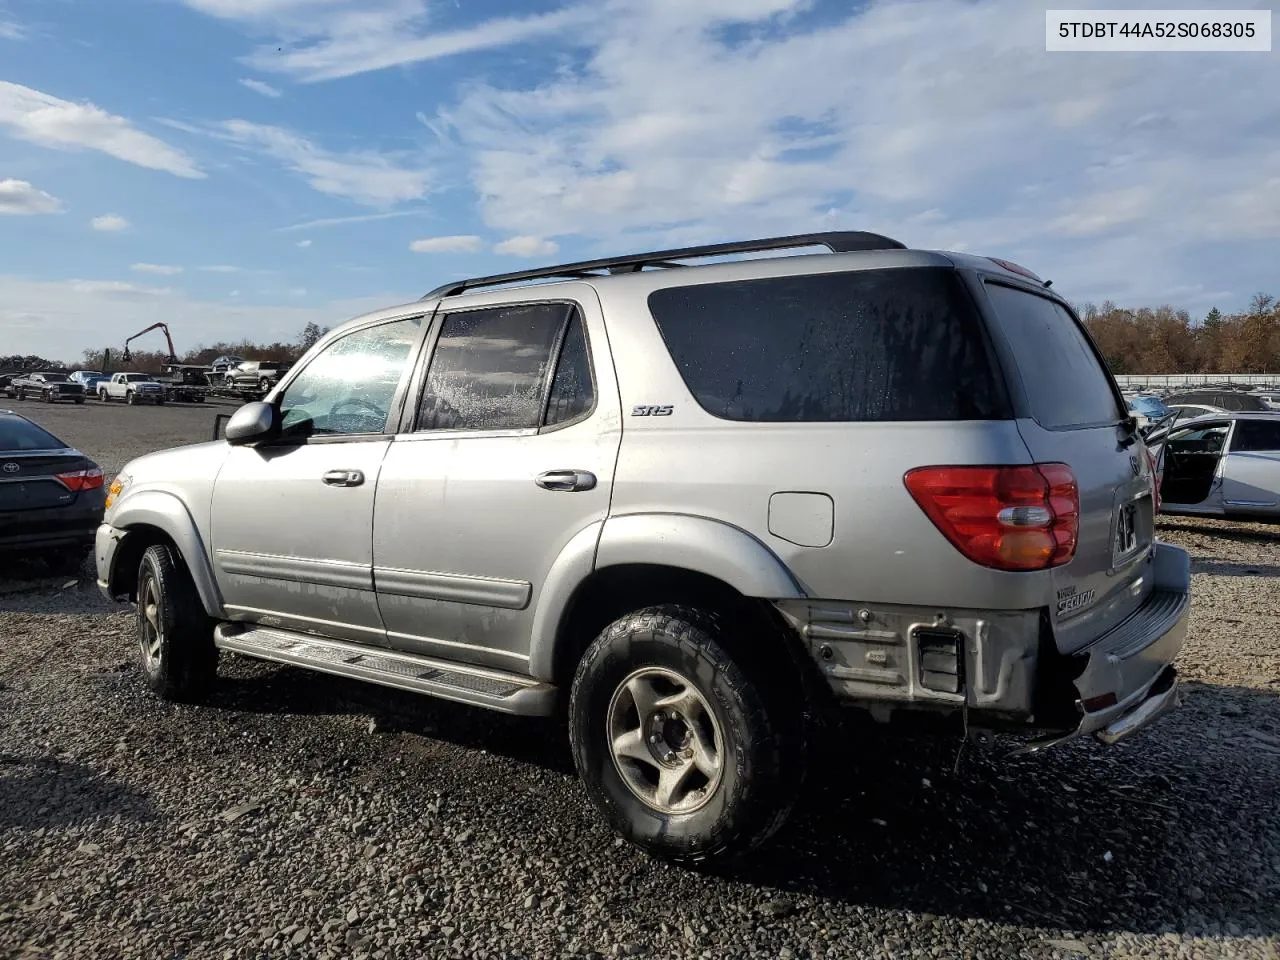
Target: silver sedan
{"points": [[1223, 464]]}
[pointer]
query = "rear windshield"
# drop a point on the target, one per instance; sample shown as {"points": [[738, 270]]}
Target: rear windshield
{"points": [[871, 345], [1066, 384], [54, 377], [18, 434]]}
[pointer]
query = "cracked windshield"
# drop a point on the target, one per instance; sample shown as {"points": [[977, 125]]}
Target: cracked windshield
{"points": [[686, 479]]}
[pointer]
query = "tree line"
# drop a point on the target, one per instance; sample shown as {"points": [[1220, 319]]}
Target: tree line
{"points": [[1165, 340]]}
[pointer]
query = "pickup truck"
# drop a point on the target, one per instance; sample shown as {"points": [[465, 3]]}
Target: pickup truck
{"points": [[132, 388], [256, 376], [47, 386]]}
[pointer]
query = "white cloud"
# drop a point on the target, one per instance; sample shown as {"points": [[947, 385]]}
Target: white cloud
{"points": [[20, 197], [303, 244], [11, 31], [526, 247], [258, 86], [339, 221], [159, 269], [110, 223], [363, 176], [461, 244], [117, 288], [62, 125]]}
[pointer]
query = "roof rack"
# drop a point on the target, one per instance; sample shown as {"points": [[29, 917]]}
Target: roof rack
{"points": [[837, 242]]}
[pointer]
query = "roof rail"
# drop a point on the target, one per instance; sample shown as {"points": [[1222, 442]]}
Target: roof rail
{"points": [[837, 242]]}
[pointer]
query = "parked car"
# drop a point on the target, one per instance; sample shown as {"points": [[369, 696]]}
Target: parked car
{"points": [[1272, 400], [1222, 464], [185, 383], [46, 385], [221, 368], [257, 375], [132, 388], [1191, 411], [51, 495], [1218, 399], [89, 379], [698, 506]]}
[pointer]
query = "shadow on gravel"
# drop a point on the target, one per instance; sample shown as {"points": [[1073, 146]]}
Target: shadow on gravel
{"points": [[1234, 568], [48, 792], [287, 690], [1137, 837], [1244, 531]]}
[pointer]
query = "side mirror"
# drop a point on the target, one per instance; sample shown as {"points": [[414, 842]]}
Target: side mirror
{"points": [[253, 423]]}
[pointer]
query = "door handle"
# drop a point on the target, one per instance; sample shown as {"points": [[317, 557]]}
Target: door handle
{"points": [[568, 480], [343, 478]]}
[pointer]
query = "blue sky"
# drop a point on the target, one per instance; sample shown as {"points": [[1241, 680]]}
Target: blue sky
{"points": [[241, 167]]}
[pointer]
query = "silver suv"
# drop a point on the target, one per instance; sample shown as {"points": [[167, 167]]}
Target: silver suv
{"points": [[699, 505]]}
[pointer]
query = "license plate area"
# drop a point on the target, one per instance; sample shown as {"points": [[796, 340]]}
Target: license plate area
{"points": [[1131, 529]]}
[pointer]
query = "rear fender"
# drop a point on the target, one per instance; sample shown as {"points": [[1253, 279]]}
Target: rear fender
{"points": [[167, 513]]}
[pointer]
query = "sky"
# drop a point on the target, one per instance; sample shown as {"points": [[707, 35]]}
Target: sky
{"points": [[239, 168]]}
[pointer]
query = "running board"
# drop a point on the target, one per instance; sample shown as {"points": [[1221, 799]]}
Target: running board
{"points": [[494, 689]]}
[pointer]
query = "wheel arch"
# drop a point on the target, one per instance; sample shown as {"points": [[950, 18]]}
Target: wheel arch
{"points": [[154, 516]]}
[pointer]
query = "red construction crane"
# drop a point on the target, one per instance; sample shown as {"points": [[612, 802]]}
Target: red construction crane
{"points": [[127, 356]]}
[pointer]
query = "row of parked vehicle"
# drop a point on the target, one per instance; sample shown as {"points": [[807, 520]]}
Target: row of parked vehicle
{"points": [[188, 383]]}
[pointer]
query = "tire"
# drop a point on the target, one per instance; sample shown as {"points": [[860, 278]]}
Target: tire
{"points": [[175, 637], [159, 401], [103, 396], [48, 396], [731, 797], [22, 395], [131, 398], [79, 401]]}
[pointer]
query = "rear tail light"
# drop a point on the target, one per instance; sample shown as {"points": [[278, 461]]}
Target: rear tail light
{"points": [[78, 480], [1007, 518]]}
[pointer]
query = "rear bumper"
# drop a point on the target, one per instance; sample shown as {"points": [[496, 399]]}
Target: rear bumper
{"points": [[1128, 679], [52, 528]]}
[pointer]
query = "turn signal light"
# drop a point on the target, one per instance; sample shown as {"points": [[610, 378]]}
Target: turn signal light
{"points": [[1006, 517], [78, 480]]}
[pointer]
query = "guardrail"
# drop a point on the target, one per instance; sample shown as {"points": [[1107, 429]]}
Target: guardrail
{"points": [[1141, 380]]}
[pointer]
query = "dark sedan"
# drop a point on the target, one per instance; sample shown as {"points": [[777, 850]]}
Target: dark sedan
{"points": [[51, 496]]}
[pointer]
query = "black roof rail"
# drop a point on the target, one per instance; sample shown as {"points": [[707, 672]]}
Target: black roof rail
{"points": [[847, 241]]}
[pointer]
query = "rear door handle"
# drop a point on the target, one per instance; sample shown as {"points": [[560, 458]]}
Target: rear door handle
{"points": [[568, 480], [343, 478]]}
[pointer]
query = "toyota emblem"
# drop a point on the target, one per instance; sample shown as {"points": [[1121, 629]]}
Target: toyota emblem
{"points": [[11, 468]]}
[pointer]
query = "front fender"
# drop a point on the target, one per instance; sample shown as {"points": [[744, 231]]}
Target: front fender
{"points": [[167, 513]]}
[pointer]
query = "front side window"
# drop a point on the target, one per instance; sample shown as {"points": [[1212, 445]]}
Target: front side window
{"points": [[491, 367], [348, 388], [1210, 438]]}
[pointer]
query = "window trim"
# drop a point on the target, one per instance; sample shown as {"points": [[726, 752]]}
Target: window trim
{"points": [[395, 409], [409, 420], [1122, 406]]}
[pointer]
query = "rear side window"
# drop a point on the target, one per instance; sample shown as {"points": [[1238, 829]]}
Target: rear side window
{"points": [[871, 345], [1256, 436], [491, 370], [1066, 383], [17, 434]]}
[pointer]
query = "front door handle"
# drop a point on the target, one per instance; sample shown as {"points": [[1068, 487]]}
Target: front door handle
{"points": [[569, 480], [343, 478]]}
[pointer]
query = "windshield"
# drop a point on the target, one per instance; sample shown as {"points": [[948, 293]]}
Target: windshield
{"points": [[135, 377], [88, 373], [53, 377]]}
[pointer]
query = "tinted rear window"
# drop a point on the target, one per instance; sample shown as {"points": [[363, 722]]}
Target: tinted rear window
{"points": [[1256, 435], [1066, 383], [871, 345], [17, 434]]}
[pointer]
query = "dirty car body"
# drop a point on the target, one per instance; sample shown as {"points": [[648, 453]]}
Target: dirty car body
{"points": [[908, 471]]}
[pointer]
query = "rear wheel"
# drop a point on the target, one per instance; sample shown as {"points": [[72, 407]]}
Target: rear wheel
{"points": [[22, 394], [175, 637], [104, 396], [678, 741]]}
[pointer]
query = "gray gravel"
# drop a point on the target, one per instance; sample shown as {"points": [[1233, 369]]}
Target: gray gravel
{"points": [[304, 816]]}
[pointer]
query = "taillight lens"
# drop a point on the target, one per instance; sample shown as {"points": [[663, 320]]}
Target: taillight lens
{"points": [[1008, 518], [78, 480]]}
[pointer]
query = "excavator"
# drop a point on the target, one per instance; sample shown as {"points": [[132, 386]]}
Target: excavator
{"points": [[186, 382]]}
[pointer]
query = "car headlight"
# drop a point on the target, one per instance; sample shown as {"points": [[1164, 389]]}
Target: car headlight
{"points": [[117, 487]]}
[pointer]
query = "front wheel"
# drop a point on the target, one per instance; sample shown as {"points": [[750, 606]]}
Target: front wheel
{"points": [[79, 400], [22, 395], [48, 396], [175, 637], [677, 740], [131, 398]]}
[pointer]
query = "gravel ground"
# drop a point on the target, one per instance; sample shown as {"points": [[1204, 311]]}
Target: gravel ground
{"points": [[304, 816]]}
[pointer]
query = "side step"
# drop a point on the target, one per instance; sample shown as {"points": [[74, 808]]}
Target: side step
{"points": [[480, 687]]}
